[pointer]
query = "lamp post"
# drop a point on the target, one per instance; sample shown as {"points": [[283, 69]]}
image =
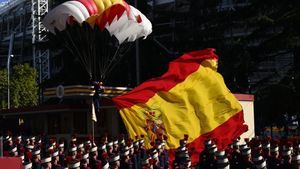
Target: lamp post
{"points": [[10, 55], [8, 80]]}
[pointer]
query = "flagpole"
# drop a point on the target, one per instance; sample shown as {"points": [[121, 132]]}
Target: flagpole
{"points": [[94, 119], [93, 130]]}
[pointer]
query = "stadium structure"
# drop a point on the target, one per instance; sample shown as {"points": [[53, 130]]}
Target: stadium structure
{"points": [[172, 17], [20, 31]]}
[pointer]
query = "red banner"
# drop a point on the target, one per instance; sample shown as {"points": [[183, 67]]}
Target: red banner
{"points": [[10, 162]]}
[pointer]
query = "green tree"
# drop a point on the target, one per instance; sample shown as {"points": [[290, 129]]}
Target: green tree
{"points": [[3, 88], [24, 88]]}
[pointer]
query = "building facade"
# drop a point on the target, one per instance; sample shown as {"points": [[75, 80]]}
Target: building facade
{"points": [[181, 25], [21, 31]]}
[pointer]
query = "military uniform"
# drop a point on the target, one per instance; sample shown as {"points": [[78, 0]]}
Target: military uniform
{"points": [[7, 146], [56, 166], [286, 164], [36, 165], [85, 167], [164, 159], [273, 163], [211, 163], [135, 161], [246, 164], [95, 164], [126, 163], [235, 159], [203, 161]]}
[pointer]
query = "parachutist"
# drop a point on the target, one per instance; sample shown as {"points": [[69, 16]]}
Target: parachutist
{"points": [[99, 89]]}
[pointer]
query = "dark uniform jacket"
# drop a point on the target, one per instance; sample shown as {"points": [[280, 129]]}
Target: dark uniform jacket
{"points": [[36, 165], [126, 164], [286, 165], [95, 164], [56, 166], [164, 159], [247, 165], [273, 163]]}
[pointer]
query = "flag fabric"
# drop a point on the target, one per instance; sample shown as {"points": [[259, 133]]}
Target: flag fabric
{"points": [[190, 98], [94, 117]]}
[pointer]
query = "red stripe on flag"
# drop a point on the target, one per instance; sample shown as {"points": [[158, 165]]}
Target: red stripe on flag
{"points": [[178, 71], [224, 134]]}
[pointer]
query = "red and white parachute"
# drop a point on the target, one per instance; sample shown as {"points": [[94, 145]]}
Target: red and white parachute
{"points": [[120, 19]]}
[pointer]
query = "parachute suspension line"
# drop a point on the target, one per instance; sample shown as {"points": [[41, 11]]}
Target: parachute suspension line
{"points": [[84, 41], [74, 54], [99, 58], [69, 47], [127, 47], [79, 55], [81, 47], [88, 41], [111, 61], [93, 55], [105, 53]]}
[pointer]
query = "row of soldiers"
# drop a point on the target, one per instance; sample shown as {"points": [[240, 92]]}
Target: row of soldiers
{"points": [[129, 154], [257, 153], [38, 153]]}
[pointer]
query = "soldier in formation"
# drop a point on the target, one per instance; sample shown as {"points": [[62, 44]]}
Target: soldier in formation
{"points": [[257, 153], [113, 154]]}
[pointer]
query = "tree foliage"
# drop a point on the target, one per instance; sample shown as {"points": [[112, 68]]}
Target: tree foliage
{"points": [[24, 91], [3, 89], [23, 87]]}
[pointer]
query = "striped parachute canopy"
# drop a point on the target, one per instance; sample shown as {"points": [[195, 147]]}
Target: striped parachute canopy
{"points": [[120, 19], [98, 32]]}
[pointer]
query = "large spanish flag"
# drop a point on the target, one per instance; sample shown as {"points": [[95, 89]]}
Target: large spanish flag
{"points": [[190, 98]]}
